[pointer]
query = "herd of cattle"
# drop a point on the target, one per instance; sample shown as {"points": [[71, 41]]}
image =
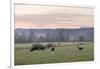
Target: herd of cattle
{"points": [[42, 47], [51, 47]]}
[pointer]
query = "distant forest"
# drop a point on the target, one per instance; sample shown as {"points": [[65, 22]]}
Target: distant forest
{"points": [[54, 35]]}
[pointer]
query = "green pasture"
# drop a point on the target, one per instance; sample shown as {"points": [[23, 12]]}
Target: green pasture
{"points": [[64, 52]]}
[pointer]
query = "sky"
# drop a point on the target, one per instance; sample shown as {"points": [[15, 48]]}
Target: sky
{"points": [[51, 17]]}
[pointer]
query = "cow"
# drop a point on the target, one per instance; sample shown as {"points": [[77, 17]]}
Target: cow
{"points": [[49, 46], [37, 47], [53, 49]]}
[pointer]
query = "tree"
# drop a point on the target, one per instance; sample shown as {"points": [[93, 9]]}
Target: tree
{"points": [[67, 38], [48, 37], [81, 38], [20, 38], [41, 39], [23, 37], [16, 38], [32, 37], [59, 36]]}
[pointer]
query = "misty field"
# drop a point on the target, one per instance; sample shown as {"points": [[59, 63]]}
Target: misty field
{"points": [[64, 52]]}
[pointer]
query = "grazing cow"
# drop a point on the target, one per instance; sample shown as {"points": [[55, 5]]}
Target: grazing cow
{"points": [[52, 49], [80, 48], [49, 46], [37, 47]]}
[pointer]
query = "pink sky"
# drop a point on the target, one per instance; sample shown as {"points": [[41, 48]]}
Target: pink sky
{"points": [[41, 17]]}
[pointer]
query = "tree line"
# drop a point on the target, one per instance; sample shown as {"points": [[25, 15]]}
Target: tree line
{"points": [[58, 37]]}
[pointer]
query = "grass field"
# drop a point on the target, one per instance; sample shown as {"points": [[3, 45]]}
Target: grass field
{"points": [[65, 52]]}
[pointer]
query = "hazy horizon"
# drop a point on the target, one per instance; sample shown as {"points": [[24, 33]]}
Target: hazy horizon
{"points": [[56, 28], [44, 17]]}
